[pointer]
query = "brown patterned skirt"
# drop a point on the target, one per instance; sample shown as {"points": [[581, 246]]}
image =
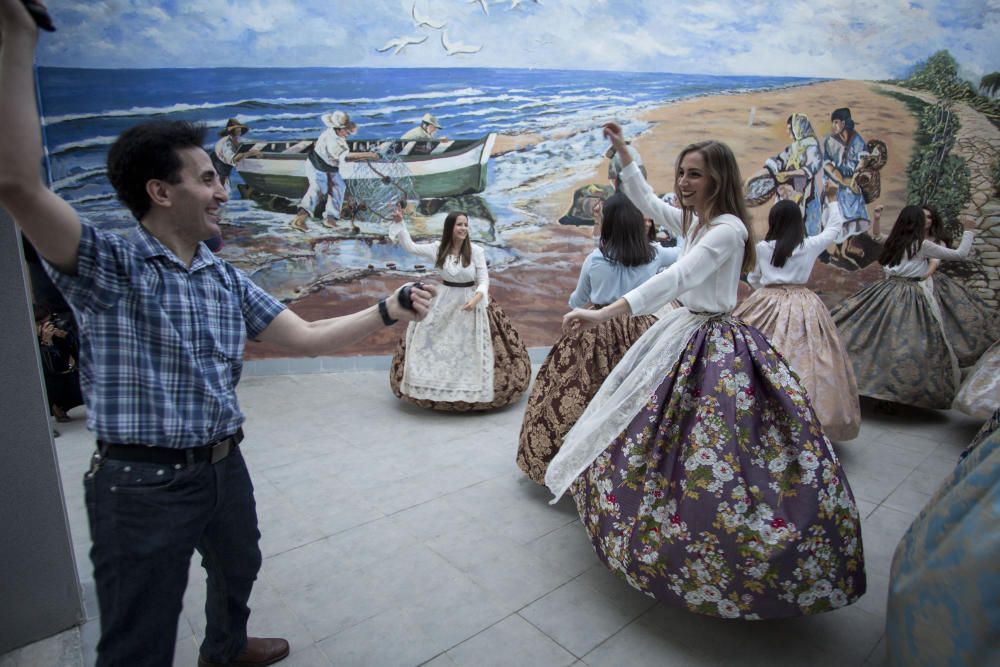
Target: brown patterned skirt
{"points": [[511, 367], [969, 323], [896, 344], [569, 377], [799, 326]]}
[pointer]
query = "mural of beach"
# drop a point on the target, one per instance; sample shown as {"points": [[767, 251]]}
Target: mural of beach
{"points": [[535, 82], [548, 124]]}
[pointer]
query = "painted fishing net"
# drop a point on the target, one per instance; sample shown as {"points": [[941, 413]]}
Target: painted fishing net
{"points": [[378, 186]]}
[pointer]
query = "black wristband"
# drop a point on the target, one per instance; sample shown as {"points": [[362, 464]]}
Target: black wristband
{"points": [[383, 310]]}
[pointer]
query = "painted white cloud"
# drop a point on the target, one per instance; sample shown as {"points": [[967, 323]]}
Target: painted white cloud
{"points": [[835, 38]]}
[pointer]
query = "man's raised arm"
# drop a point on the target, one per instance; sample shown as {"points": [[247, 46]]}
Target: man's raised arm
{"points": [[51, 224]]}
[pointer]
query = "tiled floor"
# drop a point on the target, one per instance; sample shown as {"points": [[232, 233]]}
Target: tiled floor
{"points": [[398, 536]]}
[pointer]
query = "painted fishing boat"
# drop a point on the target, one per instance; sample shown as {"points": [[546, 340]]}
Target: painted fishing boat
{"points": [[446, 168]]}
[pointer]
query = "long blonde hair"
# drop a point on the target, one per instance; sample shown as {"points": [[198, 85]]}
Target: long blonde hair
{"points": [[726, 195]]}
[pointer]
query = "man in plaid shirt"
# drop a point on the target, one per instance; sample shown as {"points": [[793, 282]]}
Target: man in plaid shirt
{"points": [[163, 324]]}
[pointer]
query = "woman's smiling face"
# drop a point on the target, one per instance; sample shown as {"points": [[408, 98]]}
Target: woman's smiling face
{"points": [[693, 183]]}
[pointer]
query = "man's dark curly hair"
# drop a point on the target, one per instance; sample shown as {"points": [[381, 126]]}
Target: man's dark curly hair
{"points": [[149, 151]]}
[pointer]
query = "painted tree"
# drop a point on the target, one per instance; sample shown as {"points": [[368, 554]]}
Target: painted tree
{"points": [[935, 176], [990, 84]]}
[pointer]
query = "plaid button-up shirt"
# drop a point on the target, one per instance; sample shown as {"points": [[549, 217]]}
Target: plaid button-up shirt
{"points": [[161, 344]]}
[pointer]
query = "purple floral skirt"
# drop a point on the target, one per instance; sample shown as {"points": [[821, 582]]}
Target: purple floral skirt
{"points": [[723, 496]]}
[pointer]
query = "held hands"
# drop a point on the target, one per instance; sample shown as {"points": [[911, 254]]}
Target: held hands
{"points": [[473, 302], [580, 319]]}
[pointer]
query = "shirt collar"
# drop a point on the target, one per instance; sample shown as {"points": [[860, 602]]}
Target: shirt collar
{"points": [[149, 246]]}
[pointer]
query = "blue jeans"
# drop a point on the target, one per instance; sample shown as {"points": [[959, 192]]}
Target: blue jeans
{"points": [[146, 521]]}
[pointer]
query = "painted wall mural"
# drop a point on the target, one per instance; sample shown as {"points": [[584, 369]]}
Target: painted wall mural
{"points": [[495, 108]]}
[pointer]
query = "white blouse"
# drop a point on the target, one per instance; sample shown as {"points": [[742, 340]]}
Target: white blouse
{"points": [[800, 263], [916, 266], [452, 271], [706, 277]]}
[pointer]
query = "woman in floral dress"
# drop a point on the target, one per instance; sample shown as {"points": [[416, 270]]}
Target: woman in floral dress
{"points": [[465, 354], [578, 363], [699, 469]]}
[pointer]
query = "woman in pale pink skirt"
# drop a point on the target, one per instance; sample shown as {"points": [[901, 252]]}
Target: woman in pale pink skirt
{"points": [[795, 320]]}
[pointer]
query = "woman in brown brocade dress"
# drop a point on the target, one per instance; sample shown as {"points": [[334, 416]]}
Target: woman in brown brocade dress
{"points": [[578, 363], [893, 329], [465, 354]]}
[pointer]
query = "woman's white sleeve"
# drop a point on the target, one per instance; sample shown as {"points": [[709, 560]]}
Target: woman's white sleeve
{"points": [[718, 244], [934, 251], [399, 234], [641, 194], [482, 275]]}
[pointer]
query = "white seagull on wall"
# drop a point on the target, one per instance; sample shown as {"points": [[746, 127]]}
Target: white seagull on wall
{"points": [[514, 4], [455, 48], [482, 3], [420, 20], [401, 43]]}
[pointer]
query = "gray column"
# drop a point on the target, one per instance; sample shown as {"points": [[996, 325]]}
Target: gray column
{"points": [[39, 589]]}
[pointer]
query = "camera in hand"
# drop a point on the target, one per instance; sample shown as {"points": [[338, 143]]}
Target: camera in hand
{"points": [[405, 297]]}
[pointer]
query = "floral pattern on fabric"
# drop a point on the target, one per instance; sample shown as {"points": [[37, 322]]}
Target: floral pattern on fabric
{"points": [[568, 378], [723, 496], [511, 370]]}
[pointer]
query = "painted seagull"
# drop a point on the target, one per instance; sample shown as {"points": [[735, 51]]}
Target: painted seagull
{"points": [[514, 4], [420, 20], [482, 3], [401, 43], [454, 48]]}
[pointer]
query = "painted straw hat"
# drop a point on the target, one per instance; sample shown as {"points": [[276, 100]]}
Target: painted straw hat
{"points": [[431, 120], [233, 124], [337, 120]]}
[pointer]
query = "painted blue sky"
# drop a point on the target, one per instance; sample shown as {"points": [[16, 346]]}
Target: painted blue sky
{"points": [[821, 38]]}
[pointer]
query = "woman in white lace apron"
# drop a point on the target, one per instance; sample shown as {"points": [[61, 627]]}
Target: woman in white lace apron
{"points": [[893, 329], [699, 468], [465, 354]]}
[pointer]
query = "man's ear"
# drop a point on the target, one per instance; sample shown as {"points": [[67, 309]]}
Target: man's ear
{"points": [[158, 191]]}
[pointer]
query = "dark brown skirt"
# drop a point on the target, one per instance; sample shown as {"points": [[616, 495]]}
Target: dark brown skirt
{"points": [[569, 377], [896, 344], [969, 323], [511, 367]]}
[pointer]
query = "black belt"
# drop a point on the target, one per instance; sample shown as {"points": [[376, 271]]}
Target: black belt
{"points": [[448, 283], [138, 453]]}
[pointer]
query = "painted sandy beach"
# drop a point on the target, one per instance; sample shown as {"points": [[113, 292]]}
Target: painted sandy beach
{"points": [[534, 289]]}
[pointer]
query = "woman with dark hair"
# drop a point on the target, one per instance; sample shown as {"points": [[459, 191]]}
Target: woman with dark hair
{"points": [[970, 325], [465, 354], [578, 363], [699, 468], [795, 320], [893, 329]]}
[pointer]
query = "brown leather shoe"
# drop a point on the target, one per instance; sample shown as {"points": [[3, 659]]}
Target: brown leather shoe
{"points": [[258, 653]]}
